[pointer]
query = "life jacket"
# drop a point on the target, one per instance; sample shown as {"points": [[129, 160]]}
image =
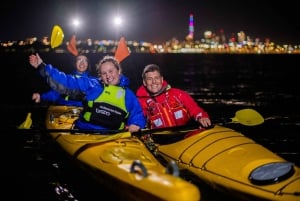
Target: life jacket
{"points": [[169, 113], [108, 109]]}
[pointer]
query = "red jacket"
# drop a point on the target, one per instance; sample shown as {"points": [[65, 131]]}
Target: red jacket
{"points": [[175, 99]]}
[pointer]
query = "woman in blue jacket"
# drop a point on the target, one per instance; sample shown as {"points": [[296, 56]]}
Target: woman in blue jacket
{"points": [[53, 96], [109, 103]]}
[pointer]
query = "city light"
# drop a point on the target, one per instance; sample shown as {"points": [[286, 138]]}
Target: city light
{"points": [[118, 21], [118, 24], [76, 23], [210, 42]]}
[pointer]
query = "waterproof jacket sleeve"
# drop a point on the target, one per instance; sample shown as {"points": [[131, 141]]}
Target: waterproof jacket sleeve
{"points": [[64, 83], [195, 110], [134, 108], [50, 95]]}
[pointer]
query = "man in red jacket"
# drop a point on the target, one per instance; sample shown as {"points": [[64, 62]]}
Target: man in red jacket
{"points": [[165, 106]]}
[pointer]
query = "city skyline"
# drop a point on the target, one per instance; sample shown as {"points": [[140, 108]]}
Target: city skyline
{"points": [[154, 21]]}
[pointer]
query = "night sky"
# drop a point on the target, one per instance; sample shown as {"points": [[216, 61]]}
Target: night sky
{"points": [[151, 20]]}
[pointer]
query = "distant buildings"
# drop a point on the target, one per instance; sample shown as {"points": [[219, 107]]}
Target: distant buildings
{"points": [[210, 43]]}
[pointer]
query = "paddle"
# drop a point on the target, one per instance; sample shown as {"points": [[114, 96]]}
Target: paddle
{"points": [[71, 46], [26, 124], [247, 117], [57, 36], [100, 138]]}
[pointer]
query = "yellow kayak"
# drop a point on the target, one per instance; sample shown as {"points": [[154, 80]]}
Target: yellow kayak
{"points": [[230, 161], [120, 161]]}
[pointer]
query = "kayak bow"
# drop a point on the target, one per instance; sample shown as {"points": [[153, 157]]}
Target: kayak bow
{"points": [[120, 161], [230, 161]]}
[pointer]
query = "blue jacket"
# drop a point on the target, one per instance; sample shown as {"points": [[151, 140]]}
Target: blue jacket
{"points": [[60, 99], [68, 84]]}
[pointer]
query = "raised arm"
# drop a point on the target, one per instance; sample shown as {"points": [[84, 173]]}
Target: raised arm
{"points": [[35, 60]]}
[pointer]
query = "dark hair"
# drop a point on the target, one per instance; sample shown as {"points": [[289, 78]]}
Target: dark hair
{"points": [[150, 68], [111, 59], [88, 62]]}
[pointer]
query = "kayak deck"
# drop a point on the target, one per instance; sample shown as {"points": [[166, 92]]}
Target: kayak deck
{"points": [[232, 162], [123, 160]]}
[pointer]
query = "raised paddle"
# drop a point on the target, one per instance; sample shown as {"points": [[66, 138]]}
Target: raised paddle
{"points": [[57, 36]]}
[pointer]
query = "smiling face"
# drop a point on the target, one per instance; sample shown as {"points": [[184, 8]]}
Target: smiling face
{"points": [[153, 81], [109, 74], [109, 70], [81, 63]]}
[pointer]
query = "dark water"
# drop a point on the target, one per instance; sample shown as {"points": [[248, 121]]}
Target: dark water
{"points": [[33, 168]]}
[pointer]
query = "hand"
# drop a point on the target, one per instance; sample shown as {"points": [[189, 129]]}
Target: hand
{"points": [[36, 97], [35, 60], [133, 128], [205, 122]]}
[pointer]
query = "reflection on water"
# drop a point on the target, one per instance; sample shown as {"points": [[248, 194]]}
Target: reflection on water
{"points": [[222, 84]]}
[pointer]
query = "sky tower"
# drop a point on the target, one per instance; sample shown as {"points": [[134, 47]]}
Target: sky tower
{"points": [[190, 36]]}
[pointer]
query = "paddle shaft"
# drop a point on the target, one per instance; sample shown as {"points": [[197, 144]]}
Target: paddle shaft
{"points": [[241, 117], [98, 131]]}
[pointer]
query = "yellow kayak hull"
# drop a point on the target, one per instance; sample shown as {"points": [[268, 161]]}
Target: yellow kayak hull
{"points": [[225, 159], [120, 161]]}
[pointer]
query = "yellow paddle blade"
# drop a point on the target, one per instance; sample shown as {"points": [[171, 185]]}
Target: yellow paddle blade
{"points": [[248, 117], [57, 36], [27, 123]]}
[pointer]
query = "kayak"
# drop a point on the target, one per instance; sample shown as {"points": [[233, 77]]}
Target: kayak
{"points": [[224, 158], [229, 161], [118, 160]]}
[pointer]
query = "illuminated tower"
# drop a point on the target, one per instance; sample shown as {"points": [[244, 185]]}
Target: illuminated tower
{"points": [[190, 36]]}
